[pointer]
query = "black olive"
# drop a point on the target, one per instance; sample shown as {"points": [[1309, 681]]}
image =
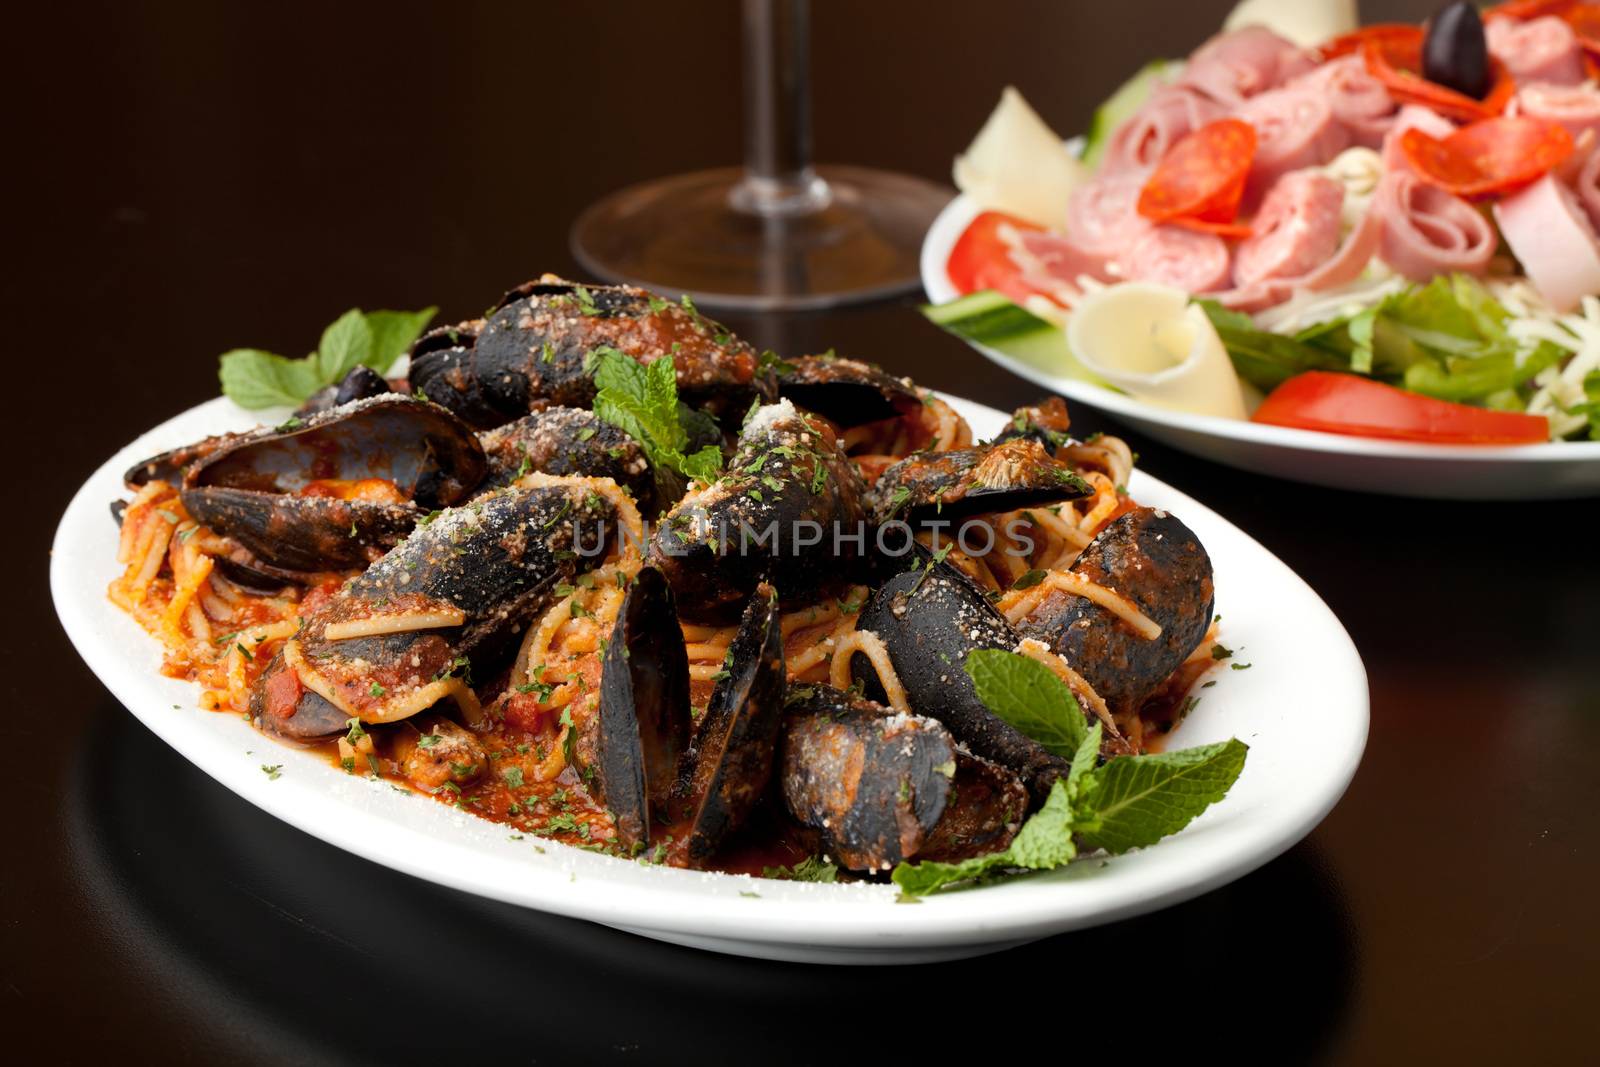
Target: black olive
{"points": [[1454, 52], [359, 384]]}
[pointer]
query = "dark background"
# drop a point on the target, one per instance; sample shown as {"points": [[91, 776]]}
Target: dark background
{"points": [[187, 179]]}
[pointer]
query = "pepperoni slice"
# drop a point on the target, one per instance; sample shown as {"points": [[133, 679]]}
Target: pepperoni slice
{"points": [[1350, 43], [1201, 178], [1396, 61], [1490, 156]]}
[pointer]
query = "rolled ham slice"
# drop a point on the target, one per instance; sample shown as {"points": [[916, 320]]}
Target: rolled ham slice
{"points": [[1577, 107], [1241, 63], [1427, 231], [1359, 101], [1552, 238], [1295, 128], [1343, 266], [1295, 232], [1185, 259], [1054, 264], [1538, 50], [1170, 113], [1102, 214]]}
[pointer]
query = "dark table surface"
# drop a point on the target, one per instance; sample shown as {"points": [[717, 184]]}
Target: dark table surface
{"points": [[186, 180]]}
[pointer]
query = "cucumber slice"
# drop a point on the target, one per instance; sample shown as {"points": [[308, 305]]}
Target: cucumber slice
{"points": [[989, 319], [1122, 105]]}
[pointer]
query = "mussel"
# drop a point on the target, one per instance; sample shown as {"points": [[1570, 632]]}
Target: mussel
{"points": [[930, 617], [335, 490], [567, 441], [398, 638], [880, 787], [958, 484], [789, 509], [643, 721], [1152, 559], [1046, 422], [847, 392], [736, 740], [533, 350], [647, 767]]}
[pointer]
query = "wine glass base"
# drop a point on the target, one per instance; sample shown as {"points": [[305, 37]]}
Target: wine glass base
{"points": [[857, 240]]}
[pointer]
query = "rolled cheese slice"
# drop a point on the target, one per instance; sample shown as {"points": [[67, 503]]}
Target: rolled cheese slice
{"points": [[1019, 165], [1152, 343]]}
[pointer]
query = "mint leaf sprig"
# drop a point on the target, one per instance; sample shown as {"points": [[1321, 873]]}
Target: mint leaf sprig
{"points": [[256, 379], [1127, 802], [641, 400]]}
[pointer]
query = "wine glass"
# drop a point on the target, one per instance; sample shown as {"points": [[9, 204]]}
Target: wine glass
{"points": [[779, 233]]}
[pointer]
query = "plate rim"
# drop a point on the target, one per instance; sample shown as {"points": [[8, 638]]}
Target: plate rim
{"points": [[684, 902], [948, 226]]}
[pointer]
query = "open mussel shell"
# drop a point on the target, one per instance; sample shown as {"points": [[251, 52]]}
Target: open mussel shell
{"points": [[533, 351], [301, 535], [871, 781], [1046, 422], [395, 639], [789, 509], [1151, 558], [846, 392], [644, 709], [1018, 473], [249, 489], [930, 617], [983, 812], [567, 441], [736, 739]]}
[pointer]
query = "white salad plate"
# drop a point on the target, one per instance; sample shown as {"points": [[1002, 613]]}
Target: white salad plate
{"points": [[1558, 470], [1301, 707]]}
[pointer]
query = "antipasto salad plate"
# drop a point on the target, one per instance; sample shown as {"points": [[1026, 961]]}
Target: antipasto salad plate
{"points": [[1356, 256]]}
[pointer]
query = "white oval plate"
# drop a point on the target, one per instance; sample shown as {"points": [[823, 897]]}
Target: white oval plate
{"points": [[1401, 468], [1302, 708]]}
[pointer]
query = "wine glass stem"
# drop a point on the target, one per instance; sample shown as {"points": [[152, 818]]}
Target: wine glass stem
{"points": [[779, 179]]}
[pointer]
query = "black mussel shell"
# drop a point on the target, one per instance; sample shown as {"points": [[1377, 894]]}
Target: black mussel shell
{"points": [[736, 740], [846, 392], [955, 485], [930, 618], [871, 781], [1154, 560], [644, 709]]}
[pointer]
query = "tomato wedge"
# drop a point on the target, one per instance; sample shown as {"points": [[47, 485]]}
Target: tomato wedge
{"points": [[1361, 407], [1488, 156], [1396, 61], [1201, 178], [981, 258]]}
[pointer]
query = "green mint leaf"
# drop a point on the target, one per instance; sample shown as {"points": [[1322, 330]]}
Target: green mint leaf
{"points": [[1087, 756], [1134, 801], [1026, 694], [1045, 840], [642, 401], [920, 879], [255, 379], [392, 333], [346, 342]]}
